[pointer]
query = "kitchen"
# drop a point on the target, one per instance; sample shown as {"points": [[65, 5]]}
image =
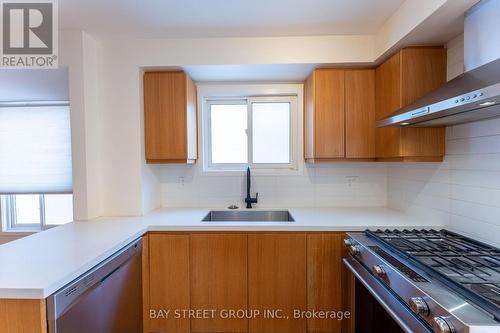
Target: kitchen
{"points": [[272, 166]]}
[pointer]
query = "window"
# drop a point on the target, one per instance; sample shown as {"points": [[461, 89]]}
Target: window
{"points": [[256, 131], [35, 165], [33, 212], [271, 132], [228, 132]]}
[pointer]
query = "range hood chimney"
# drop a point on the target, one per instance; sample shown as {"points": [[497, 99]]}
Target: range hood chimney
{"points": [[475, 94]]}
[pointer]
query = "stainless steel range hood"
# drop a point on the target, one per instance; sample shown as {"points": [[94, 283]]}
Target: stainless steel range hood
{"points": [[472, 96]]}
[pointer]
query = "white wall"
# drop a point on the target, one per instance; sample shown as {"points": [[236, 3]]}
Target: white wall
{"points": [[128, 185], [323, 185], [78, 51], [408, 16], [464, 190], [455, 61], [34, 85]]}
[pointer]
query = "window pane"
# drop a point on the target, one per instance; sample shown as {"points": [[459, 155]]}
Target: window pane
{"points": [[228, 131], [27, 209], [58, 208], [271, 132]]}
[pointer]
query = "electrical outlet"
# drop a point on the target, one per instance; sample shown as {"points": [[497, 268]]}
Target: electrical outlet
{"points": [[351, 180]]}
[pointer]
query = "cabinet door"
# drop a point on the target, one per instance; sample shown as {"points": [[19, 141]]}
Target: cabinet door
{"points": [[328, 285], [168, 280], [388, 101], [360, 113], [169, 117], [408, 75], [324, 285], [423, 141], [329, 114], [23, 315], [277, 280], [388, 86], [423, 69], [219, 280]]}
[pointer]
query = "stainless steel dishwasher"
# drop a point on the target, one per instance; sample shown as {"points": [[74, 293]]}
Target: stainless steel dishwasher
{"points": [[107, 299]]}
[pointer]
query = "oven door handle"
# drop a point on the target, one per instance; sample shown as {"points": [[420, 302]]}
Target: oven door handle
{"points": [[406, 319]]}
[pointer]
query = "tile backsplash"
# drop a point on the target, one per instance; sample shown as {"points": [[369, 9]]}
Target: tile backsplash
{"points": [[324, 185], [464, 190]]}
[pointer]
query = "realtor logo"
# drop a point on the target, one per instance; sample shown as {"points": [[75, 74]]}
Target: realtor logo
{"points": [[29, 34]]}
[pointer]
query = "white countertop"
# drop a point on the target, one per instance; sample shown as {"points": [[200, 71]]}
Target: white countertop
{"points": [[38, 265]]}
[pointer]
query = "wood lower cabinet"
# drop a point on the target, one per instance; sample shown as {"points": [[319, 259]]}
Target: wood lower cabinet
{"points": [[23, 315], [167, 281], [277, 280], [275, 273], [326, 281], [218, 266], [406, 76]]}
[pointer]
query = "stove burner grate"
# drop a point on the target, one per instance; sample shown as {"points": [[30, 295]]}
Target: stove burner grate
{"points": [[472, 268]]}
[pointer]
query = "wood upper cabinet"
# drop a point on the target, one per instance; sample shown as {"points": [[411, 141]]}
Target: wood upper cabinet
{"points": [[169, 117], [406, 76], [388, 86], [324, 115], [277, 280], [360, 113], [218, 265], [339, 113]]}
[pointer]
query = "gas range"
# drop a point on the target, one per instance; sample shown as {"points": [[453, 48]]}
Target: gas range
{"points": [[429, 280]]}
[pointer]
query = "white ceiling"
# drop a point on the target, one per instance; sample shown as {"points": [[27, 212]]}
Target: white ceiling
{"points": [[274, 72], [224, 18]]}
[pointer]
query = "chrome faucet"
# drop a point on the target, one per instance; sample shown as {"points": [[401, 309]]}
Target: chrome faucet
{"points": [[249, 200]]}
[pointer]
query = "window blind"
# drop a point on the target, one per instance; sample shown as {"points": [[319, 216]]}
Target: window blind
{"points": [[35, 149]]}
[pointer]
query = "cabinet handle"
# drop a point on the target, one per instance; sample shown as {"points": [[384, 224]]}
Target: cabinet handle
{"points": [[421, 112]]}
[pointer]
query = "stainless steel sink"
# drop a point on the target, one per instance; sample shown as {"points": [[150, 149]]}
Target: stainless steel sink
{"points": [[249, 215]]}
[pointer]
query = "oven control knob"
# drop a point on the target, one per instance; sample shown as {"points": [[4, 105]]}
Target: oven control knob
{"points": [[419, 306], [354, 250], [348, 242], [379, 271], [441, 325]]}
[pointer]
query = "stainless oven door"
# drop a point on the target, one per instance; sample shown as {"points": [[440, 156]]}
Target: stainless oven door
{"points": [[401, 314]]}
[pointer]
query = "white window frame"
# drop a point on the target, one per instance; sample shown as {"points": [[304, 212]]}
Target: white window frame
{"points": [[209, 94], [8, 215]]}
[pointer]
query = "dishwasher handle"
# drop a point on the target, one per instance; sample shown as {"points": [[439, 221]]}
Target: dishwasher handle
{"points": [[109, 274], [74, 301]]}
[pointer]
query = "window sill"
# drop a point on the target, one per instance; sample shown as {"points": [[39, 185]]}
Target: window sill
{"points": [[255, 172], [19, 232]]}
